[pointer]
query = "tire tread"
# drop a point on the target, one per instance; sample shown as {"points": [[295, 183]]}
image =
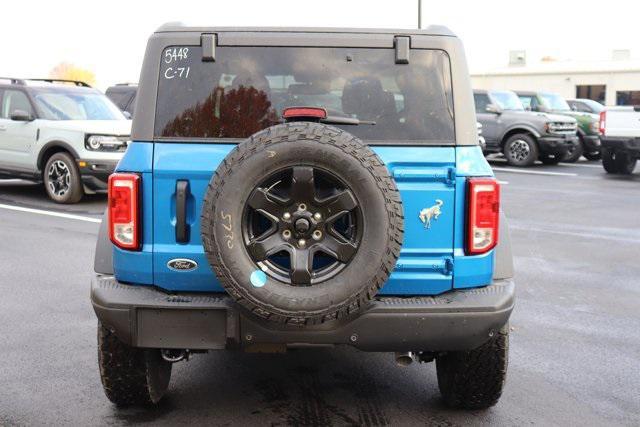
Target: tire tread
{"points": [[474, 379]]}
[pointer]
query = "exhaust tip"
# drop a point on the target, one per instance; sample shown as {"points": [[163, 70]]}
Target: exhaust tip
{"points": [[173, 356], [404, 359]]}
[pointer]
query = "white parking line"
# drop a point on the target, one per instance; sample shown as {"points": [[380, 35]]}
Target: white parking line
{"points": [[12, 181], [51, 213], [580, 165], [534, 172], [503, 182]]}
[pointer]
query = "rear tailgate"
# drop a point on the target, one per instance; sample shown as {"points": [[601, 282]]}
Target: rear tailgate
{"points": [[622, 122], [424, 175]]}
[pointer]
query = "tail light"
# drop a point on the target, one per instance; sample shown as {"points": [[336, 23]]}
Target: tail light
{"points": [[124, 222], [603, 122], [483, 215]]}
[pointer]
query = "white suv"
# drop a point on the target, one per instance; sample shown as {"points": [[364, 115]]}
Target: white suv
{"points": [[63, 133]]}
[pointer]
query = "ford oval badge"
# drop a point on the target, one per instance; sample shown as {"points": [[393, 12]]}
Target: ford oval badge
{"points": [[182, 264]]}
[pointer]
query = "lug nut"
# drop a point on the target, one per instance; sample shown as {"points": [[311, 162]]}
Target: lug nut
{"points": [[302, 242], [302, 207], [286, 215], [317, 216], [286, 234], [317, 235]]}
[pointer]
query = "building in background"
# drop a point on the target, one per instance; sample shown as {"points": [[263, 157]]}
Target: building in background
{"points": [[612, 82]]}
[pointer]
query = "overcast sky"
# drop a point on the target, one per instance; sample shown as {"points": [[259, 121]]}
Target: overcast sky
{"points": [[109, 36]]}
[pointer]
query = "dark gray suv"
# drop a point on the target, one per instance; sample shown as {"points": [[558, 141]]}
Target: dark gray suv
{"points": [[522, 136]]}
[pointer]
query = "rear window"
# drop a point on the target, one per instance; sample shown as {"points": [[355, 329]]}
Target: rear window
{"points": [[121, 99], [246, 89]]}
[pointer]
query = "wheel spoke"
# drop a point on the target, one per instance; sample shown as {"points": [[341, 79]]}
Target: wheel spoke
{"points": [[303, 187], [301, 267], [266, 246], [337, 247], [262, 201], [342, 202]]}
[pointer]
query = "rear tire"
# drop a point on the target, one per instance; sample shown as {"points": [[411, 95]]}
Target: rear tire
{"points": [[62, 179], [131, 376], [474, 379], [520, 150], [609, 161], [625, 163]]}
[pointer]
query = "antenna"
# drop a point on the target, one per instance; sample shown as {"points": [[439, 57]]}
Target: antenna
{"points": [[419, 14]]}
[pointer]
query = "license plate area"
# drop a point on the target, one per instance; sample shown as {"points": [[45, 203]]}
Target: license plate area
{"points": [[181, 328]]}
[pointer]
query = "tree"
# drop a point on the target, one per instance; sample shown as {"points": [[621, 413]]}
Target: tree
{"points": [[68, 71]]}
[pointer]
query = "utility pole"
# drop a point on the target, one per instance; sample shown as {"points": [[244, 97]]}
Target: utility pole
{"points": [[419, 14]]}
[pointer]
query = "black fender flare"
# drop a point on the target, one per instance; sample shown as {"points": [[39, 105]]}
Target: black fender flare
{"points": [[55, 144], [103, 260], [519, 127], [503, 262]]}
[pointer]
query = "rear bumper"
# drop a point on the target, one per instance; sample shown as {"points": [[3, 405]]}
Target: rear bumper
{"points": [[556, 145], [629, 145], [95, 173], [143, 316]]}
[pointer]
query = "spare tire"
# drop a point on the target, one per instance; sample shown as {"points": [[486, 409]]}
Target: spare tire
{"points": [[302, 223]]}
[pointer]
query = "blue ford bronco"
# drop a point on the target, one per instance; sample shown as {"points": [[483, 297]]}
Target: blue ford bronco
{"points": [[300, 188]]}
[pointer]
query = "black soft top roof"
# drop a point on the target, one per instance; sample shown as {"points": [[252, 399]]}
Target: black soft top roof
{"points": [[432, 30]]}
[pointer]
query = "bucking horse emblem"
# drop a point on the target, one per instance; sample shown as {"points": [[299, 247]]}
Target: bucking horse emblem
{"points": [[427, 214]]}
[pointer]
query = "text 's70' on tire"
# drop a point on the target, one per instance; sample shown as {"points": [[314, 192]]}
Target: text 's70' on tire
{"points": [[302, 223]]}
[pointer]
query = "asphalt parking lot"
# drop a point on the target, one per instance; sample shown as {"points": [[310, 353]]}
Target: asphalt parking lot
{"points": [[575, 345]]}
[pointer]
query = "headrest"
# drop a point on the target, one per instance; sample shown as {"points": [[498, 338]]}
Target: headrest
{"points": [[364, 97], [248, 80]]}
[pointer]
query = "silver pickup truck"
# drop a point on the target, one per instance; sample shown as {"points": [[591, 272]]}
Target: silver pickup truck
{"points": [[620, 135]]}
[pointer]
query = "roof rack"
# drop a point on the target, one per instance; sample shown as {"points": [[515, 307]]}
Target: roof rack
{"points": [[127, 84], [14, 81], [23, 82], [75, 82]]}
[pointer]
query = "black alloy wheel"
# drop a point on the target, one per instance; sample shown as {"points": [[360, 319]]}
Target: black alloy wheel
{"points": [[302, 225]]}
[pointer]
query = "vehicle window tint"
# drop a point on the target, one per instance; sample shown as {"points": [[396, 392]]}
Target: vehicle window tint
{"points": [[121, 99], [246, 89], [14, 100], [132, 104], [582, 107], [481, 100], [71, 104], [527, 101]]}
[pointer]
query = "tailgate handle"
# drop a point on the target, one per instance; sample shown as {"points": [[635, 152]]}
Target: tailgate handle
{"points": [[182, 228]]}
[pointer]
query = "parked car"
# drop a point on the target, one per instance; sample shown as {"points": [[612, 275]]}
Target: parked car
{"points": [[228, 229], [63, 133], [588, 126], [620, 130], [124, 96], [588, 144], [584, 105], [481, 140], [522, 136]]}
